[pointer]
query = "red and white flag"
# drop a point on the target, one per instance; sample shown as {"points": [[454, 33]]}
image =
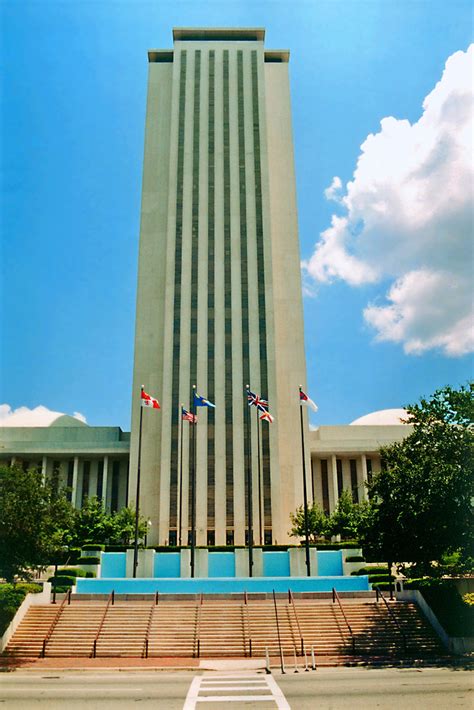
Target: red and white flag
{"points": [[304, 399], [149, 401], [268, 417]]}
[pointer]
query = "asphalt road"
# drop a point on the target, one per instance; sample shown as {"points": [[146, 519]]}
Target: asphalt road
{"points": [[328, 689]]}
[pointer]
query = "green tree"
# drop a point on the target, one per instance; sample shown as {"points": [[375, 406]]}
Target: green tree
{"points": [[317, 522], [123, 527], [422, 499], [348, 517], [91, 523], [32, 522]]}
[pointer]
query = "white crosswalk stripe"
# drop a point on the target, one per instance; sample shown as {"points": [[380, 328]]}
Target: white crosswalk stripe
{"points": [[245, 688]]}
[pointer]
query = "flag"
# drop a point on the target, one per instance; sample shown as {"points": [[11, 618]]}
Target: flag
{"points": [[266, 415], [304, 399], [202, 401], [149, 401], [255, 401], [188, 416]]}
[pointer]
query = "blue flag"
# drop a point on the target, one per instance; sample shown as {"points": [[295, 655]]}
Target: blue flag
{"points": [[202, 401]]}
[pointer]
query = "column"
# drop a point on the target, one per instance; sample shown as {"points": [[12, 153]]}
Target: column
{"points": [[332, 481], [362, 476], [104, 482], [75, 475], [44, 467]]}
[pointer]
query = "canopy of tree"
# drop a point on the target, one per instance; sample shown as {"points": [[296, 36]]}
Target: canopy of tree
{"points": [[421, 501]]}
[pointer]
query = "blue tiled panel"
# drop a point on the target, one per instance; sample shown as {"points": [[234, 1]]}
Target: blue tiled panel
{"points": [[221, 585], [329, 563], [166, 564], [113, 564], [221, 564], [276, 564]]}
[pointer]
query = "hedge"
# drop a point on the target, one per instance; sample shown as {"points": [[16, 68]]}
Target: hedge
{"points": [[454, 615], [376, 569], [355, 558], [375, 578], [94, 546], [11, 596], [88, 561], [62, 581], [72, 572]]}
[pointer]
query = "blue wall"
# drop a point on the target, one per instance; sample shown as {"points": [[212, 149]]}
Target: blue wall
{"points": [[113, 564], [221, 564], [276, 564], [221, 585], [329, 563], [166, 564]]}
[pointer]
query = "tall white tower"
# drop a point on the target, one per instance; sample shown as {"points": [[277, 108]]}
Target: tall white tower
{"points": [[219, 294]]}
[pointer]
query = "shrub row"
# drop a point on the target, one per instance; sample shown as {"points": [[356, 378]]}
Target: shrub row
{"points": [[376, 569], [11, 596], [375, 578], [94, 546], [62, 581], [88, 560], [355, 558]]}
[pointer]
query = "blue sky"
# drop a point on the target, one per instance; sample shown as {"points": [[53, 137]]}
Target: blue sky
{"points": [[73, 110]]}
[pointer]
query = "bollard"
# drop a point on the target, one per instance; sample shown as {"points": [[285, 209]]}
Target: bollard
{"points": [[267, 662], [313, 664], [306, 669], [296, 665]]}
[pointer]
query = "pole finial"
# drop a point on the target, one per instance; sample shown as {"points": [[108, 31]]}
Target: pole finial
{"points": [[194, 387]]}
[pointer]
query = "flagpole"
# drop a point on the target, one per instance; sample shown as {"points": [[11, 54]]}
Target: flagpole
{"points": [[193, 482], [180, 515], [305, 493], [249, 484], [259, 480], [137, 501]]}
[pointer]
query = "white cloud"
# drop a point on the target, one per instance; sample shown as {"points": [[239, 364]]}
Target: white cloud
{"points": [[38, 416], [333, 192], [409, 218]]}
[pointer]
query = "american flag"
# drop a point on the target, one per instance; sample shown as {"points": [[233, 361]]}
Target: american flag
{"points": [[188, 416], [255, 401]]}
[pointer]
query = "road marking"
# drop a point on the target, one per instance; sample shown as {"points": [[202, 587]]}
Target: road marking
{"points": [[252, 683]]}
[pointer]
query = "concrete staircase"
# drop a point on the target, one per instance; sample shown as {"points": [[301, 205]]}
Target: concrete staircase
{"points": [[227, 628]]}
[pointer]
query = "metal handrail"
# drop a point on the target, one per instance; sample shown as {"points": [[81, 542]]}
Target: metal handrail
{"points": [[378, 593], [110, 601], [291, 601], [197, 638], [335, 597], [67, 599], [278, 633], [150, 620], [247, 619]]}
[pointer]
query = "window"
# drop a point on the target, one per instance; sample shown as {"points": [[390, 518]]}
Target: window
{"points": [[229, 537], [354, 486], [325, 485], [340, 481], [368, 464], [115, 486], [211, 537], [267, 537], [86, 471], [173, 538], [70, 479], [100, 479]]}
